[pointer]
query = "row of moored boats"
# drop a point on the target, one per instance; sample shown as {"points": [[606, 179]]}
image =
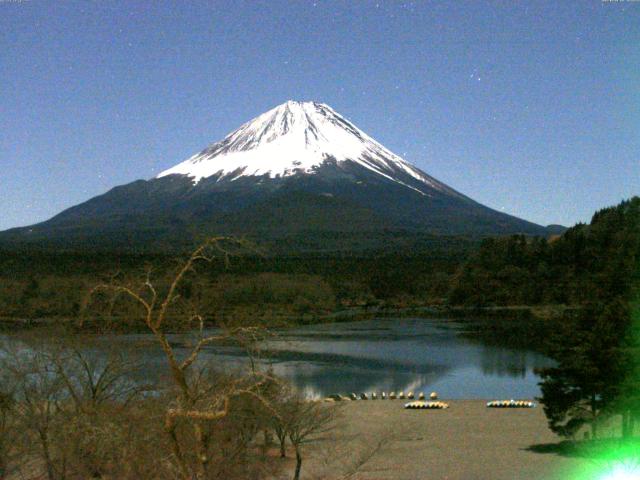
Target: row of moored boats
{"points": [[422, 402], [384, 396], [510, 404]]}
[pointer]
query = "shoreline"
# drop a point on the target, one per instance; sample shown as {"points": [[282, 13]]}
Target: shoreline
{"points": [[519, 327], [349, 314]]}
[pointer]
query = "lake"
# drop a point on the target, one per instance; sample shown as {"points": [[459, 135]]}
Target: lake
{"points": [[400, 354]]}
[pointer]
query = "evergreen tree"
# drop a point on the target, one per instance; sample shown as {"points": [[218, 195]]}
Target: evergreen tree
{"points": [[590, 368], [598, 350]]}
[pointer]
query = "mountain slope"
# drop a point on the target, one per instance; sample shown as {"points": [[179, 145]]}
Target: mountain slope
{"points": [[298, 168]]}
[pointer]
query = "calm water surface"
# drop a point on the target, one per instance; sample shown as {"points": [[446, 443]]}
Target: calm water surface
{"points": [[379, 355]]}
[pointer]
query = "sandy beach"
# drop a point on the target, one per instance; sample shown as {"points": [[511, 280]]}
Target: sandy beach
{"points": [[381, 440]]}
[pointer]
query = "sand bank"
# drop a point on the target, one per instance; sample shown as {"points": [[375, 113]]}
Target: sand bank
{"points": [[381, 440]]}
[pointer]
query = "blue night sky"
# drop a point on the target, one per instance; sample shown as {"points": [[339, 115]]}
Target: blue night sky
{"points": [[531, 107]]}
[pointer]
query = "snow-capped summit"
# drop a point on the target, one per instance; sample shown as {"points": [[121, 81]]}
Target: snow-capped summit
{"points": [[293, 138], [300, 173]]}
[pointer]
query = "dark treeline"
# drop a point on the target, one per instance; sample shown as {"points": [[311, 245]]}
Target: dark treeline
{"points": [[41, 284], [569, 269], [596, 381], [586, 262]]}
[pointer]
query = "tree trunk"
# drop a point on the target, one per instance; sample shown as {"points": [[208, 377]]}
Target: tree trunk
{"points": [[4, 464], [594, 415], [170, 428], [296, 475], [283, 449], [201, 451], [626, 423], [268, 441], [51, 471]]}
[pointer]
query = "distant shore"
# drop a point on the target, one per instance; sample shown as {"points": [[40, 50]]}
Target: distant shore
{"points": [[515, 326]]}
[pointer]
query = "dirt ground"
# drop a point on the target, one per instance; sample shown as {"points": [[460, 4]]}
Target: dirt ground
{"points": [[381, 440]]}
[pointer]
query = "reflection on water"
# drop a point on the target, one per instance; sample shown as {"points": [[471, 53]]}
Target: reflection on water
{"points": [[504, 362], [382, 355]]}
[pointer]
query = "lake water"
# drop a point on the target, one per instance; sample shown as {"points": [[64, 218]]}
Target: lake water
{"points": [[381, 355]]}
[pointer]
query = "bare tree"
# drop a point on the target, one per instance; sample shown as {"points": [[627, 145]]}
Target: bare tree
{"points": [[99, 390], [284, 401], [197, 404], [66, 403], [94, 379], [308, 422], [39, 396], [280, 428]]}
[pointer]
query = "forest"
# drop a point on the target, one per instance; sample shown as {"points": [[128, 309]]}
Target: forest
{"points": [[52, 285], [588, 260]]}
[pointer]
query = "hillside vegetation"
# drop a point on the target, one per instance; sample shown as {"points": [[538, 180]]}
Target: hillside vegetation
{"points": [[587, 260], [597, 260]]}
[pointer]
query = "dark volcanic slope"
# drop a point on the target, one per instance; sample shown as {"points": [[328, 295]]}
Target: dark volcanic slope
{"points": [[298, 169]]}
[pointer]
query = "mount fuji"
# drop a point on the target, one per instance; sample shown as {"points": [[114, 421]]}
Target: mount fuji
{"points": [[299, 169], [298, 138]]}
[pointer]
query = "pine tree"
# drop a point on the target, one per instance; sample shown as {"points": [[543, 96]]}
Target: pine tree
{"points": [[583, 385], [598, 350]]}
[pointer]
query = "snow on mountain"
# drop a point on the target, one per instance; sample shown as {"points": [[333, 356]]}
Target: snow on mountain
{"points": [[294, 138], [299, 172]]}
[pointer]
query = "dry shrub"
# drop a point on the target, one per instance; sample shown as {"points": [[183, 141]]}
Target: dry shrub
{"points": [[80, 415]]}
